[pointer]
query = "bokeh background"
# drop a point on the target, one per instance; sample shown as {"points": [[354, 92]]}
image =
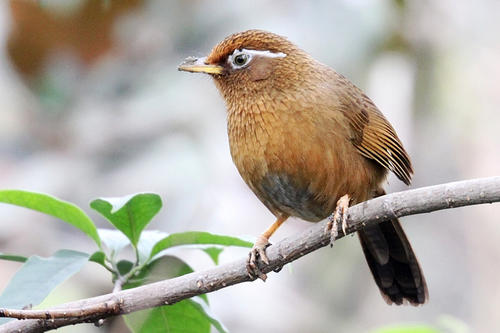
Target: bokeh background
{"points": [[91, 105]]}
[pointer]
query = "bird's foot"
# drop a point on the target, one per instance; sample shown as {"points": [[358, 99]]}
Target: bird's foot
{"points": [[257, 252], [339, 216]]}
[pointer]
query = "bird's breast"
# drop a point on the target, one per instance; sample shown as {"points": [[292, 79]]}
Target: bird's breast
{"points": [[297, 163], [274, 154]]}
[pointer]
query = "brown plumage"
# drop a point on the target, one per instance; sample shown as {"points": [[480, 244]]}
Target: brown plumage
{"points": [[306, 141]]}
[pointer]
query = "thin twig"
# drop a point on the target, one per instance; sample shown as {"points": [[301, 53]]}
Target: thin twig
{"points": [[422, 200], [111, 307]]}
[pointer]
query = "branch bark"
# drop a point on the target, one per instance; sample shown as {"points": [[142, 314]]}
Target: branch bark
{"points": [[417, 201]]}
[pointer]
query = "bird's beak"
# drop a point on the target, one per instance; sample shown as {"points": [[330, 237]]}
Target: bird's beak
{"points": [[198, 65]]}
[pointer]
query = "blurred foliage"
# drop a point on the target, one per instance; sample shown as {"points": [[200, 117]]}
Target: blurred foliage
{"points": [[407, 329], [444, 324], [40, 30]]}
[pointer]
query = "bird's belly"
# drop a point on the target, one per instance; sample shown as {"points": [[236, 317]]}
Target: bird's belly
{"points": [[281, 194]]}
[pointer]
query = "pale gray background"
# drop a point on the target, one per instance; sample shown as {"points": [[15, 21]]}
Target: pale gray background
{"points": [[131, 122]]}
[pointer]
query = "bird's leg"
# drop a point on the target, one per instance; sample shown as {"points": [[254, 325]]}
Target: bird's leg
{"points": [[259, 250], [339, 215]]}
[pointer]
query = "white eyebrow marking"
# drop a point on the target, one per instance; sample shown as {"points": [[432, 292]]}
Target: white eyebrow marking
{"points": [[251, 54], [265, 53]]}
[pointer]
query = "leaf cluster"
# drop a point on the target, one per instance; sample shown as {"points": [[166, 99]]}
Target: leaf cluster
{"points": [[153, 259]]}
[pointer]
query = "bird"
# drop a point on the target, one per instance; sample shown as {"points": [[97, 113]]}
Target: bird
{"points": [[309, 143]]}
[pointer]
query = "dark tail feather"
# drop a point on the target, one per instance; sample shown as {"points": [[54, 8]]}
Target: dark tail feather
{"points": [[393, 263]]}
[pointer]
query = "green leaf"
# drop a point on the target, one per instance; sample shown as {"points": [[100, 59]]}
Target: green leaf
{"points": [[166, 267], [12, 257], [407, 329], [129, 214], [39, 276], [197, 237], [182, 317], [52, 206], [114, 240], [203, 308], [148, 240], [124, 266], [214, 252], [98, 257]]}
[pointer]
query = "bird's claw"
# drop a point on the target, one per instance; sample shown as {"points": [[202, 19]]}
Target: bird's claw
{"points": [[257, 252], [339, 216]]}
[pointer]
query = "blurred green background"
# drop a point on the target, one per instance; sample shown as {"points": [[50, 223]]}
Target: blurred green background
{"points": [[92, 104]]}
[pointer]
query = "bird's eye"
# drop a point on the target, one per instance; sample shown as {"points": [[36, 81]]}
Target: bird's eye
{"points": [[240, 59]]}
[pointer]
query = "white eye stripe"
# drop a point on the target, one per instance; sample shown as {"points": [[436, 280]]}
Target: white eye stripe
{"points": [[250, 54], [265, 53]]}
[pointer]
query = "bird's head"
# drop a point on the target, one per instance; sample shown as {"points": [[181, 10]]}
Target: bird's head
{"points": [[253, 62]]}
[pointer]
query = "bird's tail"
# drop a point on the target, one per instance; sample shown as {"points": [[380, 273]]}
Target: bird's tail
{"points": [[393, 263]]}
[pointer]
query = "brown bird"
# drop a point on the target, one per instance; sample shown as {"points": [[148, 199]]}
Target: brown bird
{"points": [[308, 142]]}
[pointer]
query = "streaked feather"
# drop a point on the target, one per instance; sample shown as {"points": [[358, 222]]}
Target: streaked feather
{"points": [[372, 134]]}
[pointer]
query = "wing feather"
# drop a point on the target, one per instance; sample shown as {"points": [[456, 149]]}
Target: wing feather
{"points": [[373, 135]]}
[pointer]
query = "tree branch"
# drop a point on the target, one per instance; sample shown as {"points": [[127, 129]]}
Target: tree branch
{"points": [[417, 201]]}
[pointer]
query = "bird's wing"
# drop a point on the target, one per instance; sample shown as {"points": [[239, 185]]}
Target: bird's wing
{"points": [[374, 136]]}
